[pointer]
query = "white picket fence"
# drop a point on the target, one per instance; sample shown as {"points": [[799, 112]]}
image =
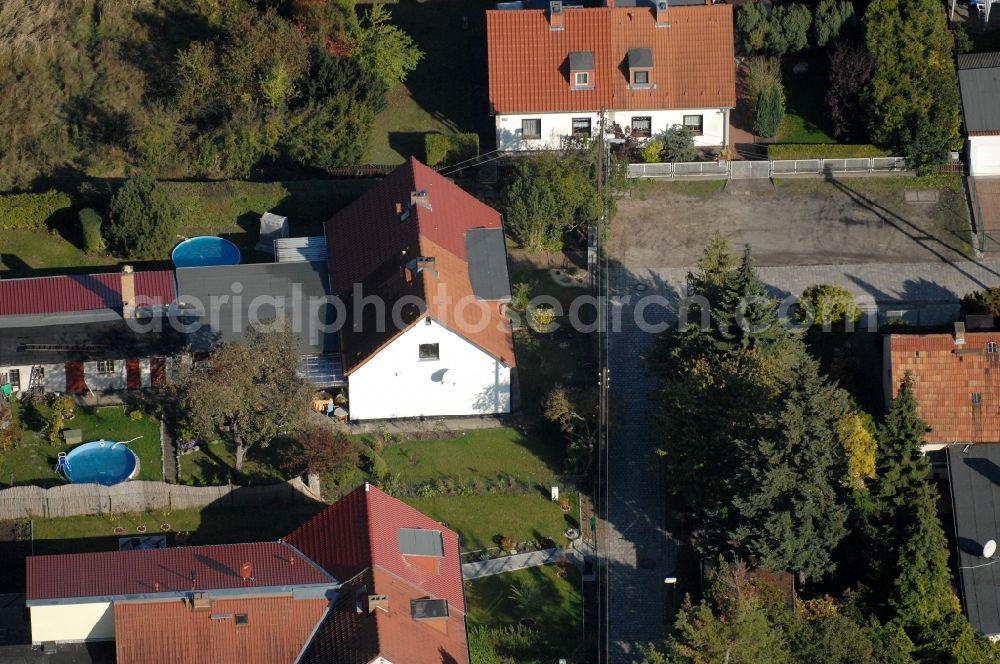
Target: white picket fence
{"points": [[766, 169]]}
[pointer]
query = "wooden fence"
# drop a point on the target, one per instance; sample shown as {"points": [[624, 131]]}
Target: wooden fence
{"points": [[23, 502]]}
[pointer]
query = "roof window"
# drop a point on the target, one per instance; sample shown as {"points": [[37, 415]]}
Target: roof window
{"points": [[640, 64], [429, 609]]}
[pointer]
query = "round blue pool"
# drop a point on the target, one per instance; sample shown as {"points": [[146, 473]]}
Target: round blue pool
{"points": [[100, 462], [204, 251]]}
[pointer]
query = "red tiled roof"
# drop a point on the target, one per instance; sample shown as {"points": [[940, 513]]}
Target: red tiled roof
{"points": [[80, 292], [277, 629], [181, 569], [360, 532], [693, 65], [369, 245], [945, 376]]}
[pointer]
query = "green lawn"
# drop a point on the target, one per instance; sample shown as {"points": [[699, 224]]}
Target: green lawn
{"points": [[195, 526], [480, 520], [484, 453], [805, 109], [32, 460], [231, 209], [215, 463], [553, 602], [447, 90]]}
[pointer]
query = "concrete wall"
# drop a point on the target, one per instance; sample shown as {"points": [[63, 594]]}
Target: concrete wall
{"points": [[73, 622], [103, 382], [984, 155], [55, 376], [556, 126], [397, 383], [22, 382]]}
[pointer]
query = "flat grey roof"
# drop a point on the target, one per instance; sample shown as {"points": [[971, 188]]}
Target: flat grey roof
{"points": [[486, 254], [421, 542], [640, 58], [221, 299], [979, 82], [581, 61], [975, 495]]}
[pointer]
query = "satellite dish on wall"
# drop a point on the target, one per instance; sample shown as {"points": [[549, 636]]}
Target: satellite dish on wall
{"points": [[438, 376], [989, 549]]}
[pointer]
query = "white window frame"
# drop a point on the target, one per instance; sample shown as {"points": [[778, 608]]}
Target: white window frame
{"points": [[590, 127], [635, 77], [581, 79], [648, 132], [105, 367]]}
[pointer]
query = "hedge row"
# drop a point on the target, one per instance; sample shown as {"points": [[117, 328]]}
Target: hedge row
{"points": [[450, 148], [785, 151], [33, 211], [90, 227]]}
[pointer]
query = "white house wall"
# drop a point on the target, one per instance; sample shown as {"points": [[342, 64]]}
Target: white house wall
{"points": [[557, 126], [94, 621], [396, 383], [984, 155]]}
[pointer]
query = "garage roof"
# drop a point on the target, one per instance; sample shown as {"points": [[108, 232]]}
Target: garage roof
{"points": [[979, 81]]}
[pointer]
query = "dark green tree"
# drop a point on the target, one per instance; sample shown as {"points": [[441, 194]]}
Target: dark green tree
{"points": [[142, 219], [678, 144], [789, 29], [769, 112], [925, 140], [833, 18], [789, 497], [329, 133], [752, 25], [746, 316]]}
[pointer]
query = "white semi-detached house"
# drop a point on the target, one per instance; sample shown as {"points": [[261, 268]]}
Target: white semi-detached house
{"points": [[421, 267], [645, 67]]}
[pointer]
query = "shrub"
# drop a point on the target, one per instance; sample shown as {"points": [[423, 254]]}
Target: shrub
{"points": [[761, 74], [652, 150], [769, 112], [32, 211], [781, 151], [982, 302], [521, 295], [678, 144], [850, 70], [833, 18], [136, 416], [90, 227], [451, 148], [143, 219], [541, 318], [323, 450], [826, 304]]}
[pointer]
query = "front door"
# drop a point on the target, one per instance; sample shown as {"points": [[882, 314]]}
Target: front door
{"points": [[158, 371], [75, 383], [133, 375]]}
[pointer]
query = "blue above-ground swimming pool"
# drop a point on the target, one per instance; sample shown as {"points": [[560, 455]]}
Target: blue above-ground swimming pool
{"points": [[204, 251], [100, 462]]}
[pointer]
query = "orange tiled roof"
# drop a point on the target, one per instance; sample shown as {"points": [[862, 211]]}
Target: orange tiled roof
{"points": [[370, 245], [945, 376], [277, 629], [693, 65]]}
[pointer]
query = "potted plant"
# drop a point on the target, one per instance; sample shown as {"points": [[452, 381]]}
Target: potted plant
{"points": [[564, 503]]}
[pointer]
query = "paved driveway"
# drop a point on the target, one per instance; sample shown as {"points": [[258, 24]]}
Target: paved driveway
{"points": [[800, 222]]}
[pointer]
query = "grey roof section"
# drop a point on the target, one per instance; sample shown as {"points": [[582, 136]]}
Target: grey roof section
{"points": [[975, 494], [299, 249], [486, 254], [64, 318], [220, 300], [978, 60], [581, 61], [980, 98], [640, 58], [89, 341], [421, 542]]}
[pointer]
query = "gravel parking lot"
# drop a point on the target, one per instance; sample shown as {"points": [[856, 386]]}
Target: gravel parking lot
{"points": [[794, 222]]}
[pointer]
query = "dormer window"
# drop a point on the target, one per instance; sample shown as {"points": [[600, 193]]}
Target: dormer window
{"points": [[581, 68], [640, 64]]}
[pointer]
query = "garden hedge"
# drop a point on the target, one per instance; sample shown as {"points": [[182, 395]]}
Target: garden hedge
{"points": [[782, 151], [33, 211], [90, 227], [450, 148]]}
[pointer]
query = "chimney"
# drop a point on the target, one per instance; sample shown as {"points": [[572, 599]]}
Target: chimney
{"points": [[661, 13], [959, 333], [377, 602], [556, 16], [420, 198], [128, 292]]}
